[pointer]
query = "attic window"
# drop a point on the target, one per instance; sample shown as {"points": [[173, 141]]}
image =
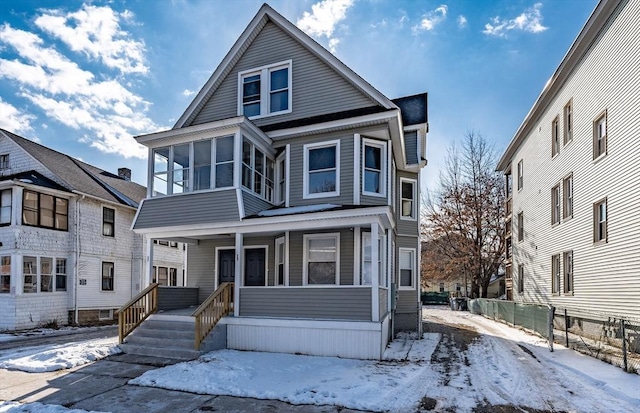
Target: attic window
{"points": [[265, 91], [4, 161]]}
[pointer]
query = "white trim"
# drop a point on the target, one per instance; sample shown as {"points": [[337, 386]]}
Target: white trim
{"points": [[280, 240], [383, 166], [286, 258], [238, 274], [356, 168], [413, 269], [265, 89], [266, 262], [414, 207], [302, 323], [305, 169], [287, 181], [305, 257], [375, 272], [390, 176], [356, 255], [240, 203], [237, 159]]}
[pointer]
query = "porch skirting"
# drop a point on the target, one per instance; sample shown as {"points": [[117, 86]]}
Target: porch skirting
{"points": [[347, 339]]}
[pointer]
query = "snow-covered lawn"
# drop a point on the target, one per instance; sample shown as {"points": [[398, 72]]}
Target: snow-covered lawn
{"points": [[12, 407]]}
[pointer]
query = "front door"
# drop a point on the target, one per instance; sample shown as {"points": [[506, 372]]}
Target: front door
{"points": [[254, 272], [226, 266]]}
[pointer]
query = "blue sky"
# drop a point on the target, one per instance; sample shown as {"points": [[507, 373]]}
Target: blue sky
{"points": [[84, 77]]}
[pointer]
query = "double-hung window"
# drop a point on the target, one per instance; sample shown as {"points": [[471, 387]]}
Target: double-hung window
{"points": [[408, 199], [568, 271], [30, 274], [521, 278], [520, 174], [520, 226], [567, 197], [61, 274], [321, 256], [46, 275], [555, 205], [373, 162], [5, 207], [42, 210], [555, 273], [4, 161], [600, 135], [568, 122], [321, 169], [265, 91], [407, 266], [108, 221], [5, 274], [280, 261], [107, 276], [600, 221], [555, 136]]}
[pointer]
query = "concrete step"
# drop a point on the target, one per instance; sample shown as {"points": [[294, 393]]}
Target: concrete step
{"points": [[170, 353], [145, 331], [182, 342], [156, 324]]}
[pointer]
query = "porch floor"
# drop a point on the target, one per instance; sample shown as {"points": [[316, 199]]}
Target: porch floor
{"points": [[179, 311]]}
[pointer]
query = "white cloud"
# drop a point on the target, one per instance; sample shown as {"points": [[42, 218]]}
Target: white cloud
{"points": [[188, 92], [432, 18], [13, 119], [96, 32], [462, 21], [324, 18], [529, 21]]}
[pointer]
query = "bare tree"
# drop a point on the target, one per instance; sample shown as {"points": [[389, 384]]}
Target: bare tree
{"points": [[463, 224]]}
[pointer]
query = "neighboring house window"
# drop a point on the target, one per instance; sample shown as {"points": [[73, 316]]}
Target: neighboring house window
{"points": [[555, 204], [458, 287], [600, 221], [520, 174], [322, 169], [173, 277], [257, 171], [408, 200], [265, 91], [568, 271], [373, 162], [107, 276], [555, 273], [61, 274], [568, 122], [567, 197], [46, 275], [43, 210], [600, 135], [441, 287], [108, 221], [321, 259], [4, 161], [5, 207], [520, 226], [555, 136], [30, 274], [173, 244], [521, 278], [5, 274], [280, 267], [407, 267]]}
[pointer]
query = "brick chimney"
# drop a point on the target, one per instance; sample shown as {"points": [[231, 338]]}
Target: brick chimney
{"points": [[124, 173]]}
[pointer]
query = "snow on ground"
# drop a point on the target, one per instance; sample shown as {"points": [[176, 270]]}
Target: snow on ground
{"points": [[57, 357], [13, 407]]}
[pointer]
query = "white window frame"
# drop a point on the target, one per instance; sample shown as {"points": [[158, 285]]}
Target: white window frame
{"points": [[113, 224], [567, 197], [414, 206], [306, 149], [281, 260], [265, 88], [4, 206], [113, 276], [305, 265], [366, 236], [280, 184], [383, 167], [5, 273], [413, 268], [60, 274], [267, 191]]}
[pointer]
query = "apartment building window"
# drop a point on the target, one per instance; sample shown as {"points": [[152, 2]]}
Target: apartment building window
{"points": [[373, 162], [567, 197], [407, 268], [5, 207], [555, 136], [408, 200], [108, 222], [555, 205], [520, 278], [30, 274], [265, 91], [600, 221], [173, 277], [257, 171], [520, 226], [568, 122], [568, 271], [322, 169], [107, 276], [555, 273], [600, 135], [5, 274], [61, 274], [321, 259], [520, 174], [42, 210], [4, 161], [46, 275]]}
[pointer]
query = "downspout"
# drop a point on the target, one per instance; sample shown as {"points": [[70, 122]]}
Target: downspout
{"points": [[77, 259]]}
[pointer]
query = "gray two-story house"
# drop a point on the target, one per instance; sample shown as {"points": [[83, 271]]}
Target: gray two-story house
{"points": [[294, 179]]}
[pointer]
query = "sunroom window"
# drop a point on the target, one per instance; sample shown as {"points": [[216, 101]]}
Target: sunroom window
{"points": [[257, 171]]}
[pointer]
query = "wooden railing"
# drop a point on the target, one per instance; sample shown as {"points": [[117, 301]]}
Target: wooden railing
{"points": [[133, 313], [216, 306]]}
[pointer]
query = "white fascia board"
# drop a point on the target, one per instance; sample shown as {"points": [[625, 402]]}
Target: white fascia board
{"points": [[398, 141]]}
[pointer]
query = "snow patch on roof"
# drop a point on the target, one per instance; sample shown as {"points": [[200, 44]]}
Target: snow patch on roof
{"points": [[297, 210]]}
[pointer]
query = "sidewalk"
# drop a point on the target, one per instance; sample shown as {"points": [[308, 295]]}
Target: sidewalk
{"points": [[102, 387]]}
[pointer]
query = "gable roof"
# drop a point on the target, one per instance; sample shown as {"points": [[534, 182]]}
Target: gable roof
{"points": [[264, 15], [77, 176]]}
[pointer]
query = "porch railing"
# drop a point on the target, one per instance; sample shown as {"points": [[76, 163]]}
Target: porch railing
{"points": [[216, 306], [133, 313]]}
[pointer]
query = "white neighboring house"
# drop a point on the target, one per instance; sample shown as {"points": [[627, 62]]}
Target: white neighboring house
{"points": [[573, 175], [67, 252]]}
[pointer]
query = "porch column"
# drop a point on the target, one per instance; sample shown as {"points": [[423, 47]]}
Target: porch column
{"points": [[149, 273], [237, 276], [375, 276]]}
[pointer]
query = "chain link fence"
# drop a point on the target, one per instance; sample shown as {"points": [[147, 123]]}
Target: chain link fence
{"points": [[610, 338]]}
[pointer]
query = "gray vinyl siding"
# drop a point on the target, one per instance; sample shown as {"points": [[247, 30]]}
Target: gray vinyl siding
{"points": [[171, 298], [296, 175], [317, 88], [296, 256], [188, 209], [253, 204], [352, 303], [201, 267], [411, 147], [606, 275], [405, 226], [407, 300]]}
